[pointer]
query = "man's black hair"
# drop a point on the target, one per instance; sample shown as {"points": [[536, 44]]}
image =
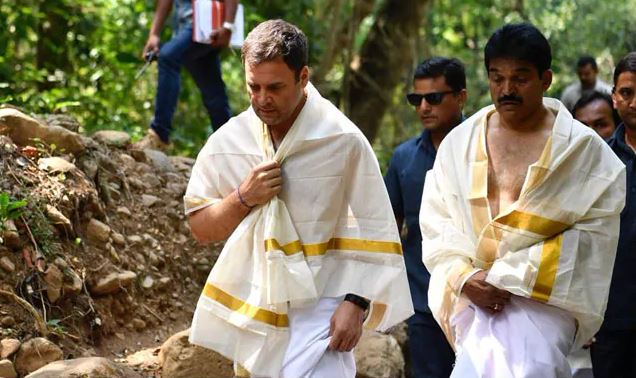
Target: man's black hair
{"points": [[522, 42], [627, 64], [585, 60], [589, 98], [452, 70]]}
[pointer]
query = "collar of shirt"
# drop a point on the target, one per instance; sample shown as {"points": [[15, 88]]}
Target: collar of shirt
{"points": [[617, 142], [425, 142]]}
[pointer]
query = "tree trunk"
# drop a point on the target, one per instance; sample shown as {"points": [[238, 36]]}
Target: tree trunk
{"points": [[386, 55], [52, 46]]}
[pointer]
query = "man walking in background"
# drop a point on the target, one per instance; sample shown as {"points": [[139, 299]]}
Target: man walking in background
{"points": [[200, 59], [614, 352], [439, 95], [587, 71]]}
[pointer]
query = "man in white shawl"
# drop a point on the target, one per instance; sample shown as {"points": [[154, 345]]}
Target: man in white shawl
{"points": [[313, 252], [520, 220]]}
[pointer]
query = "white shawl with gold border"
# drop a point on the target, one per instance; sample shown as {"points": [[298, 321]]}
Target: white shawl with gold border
{"points": [[556, 244], [331, 231]]}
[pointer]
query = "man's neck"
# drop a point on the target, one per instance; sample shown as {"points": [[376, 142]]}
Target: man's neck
{"points": [[538, 120], [279, 131], [588, 87], [630, 137], [439, 134]]}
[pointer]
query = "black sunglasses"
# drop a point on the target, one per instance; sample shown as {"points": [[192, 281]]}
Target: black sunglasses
{"points": [[434, 98]]}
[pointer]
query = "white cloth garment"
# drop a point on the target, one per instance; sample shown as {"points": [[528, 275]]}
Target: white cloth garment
{"points": [[555, 245], [330, 231], [307, 355], [527, 339]]}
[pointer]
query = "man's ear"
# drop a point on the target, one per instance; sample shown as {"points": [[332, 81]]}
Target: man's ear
{"points": [[462, 96], [304, 76], [546, 77]]}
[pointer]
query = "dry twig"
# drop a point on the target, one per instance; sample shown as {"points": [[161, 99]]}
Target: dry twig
{"points": [[39, 322]]}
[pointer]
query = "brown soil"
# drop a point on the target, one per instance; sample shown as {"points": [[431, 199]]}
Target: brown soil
{"points": [[107, 184]]}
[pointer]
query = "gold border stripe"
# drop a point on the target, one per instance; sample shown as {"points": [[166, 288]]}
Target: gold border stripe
{"points": [[533, 223], [344, 244], [376, 315], [547, 268], [289, 249], [244, 308]]}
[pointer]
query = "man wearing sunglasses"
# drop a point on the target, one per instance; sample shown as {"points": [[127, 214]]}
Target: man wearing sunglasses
{"points": [[520, 219], [439, 94]]}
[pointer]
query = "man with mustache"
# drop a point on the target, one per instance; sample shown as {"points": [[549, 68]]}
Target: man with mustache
{"points": [[615, 347], [439, 94], [519, 221]]}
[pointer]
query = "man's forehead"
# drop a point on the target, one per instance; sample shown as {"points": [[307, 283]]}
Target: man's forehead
{"points": [[597, 106], [437, 82], [626, 80], [510, 64]]}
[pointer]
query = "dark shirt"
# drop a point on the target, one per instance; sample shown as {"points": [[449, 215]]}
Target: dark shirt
{"points": [[405, 182], [621, 306]]}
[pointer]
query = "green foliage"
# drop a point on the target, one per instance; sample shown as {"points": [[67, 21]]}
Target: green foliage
{"points": [[80, 57], [9, 209]]}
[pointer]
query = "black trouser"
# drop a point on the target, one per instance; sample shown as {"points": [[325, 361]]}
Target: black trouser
{"points": [[614, 354]]}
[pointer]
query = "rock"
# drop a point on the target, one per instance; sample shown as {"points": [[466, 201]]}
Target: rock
{"points": [[8, 321], [58, 219], [148, 282], [6, 264], [180, 359], [146, 359], [182, 163], [378, 356], [151, 180], [153, 259], [123, 211], [134, 239], [22, 129], [160, 161], [138, 324], [112, 138], [62, 120], [149, 200], [137, 183], [89, 166], [400, 332], [176, 189], [72, 284], [119, 239], [113, 283], [7, 370], [97, 367], [10, 236], [8, 347], [97, 230], [53, 278], [55, 165], [164, 282], [128, 161], [36, 353]]}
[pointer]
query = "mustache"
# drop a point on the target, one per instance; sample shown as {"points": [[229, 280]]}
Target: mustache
{"points": [[510, 98]]}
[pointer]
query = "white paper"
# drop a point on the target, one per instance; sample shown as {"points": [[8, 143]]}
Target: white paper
{"points": [[202, 18]]}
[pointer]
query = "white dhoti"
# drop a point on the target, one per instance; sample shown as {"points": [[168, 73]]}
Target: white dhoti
{"points": [[307, 355], [527, 339]]}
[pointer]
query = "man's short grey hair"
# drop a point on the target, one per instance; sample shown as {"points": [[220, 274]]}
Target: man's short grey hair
{"points": [[276, 38]]}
